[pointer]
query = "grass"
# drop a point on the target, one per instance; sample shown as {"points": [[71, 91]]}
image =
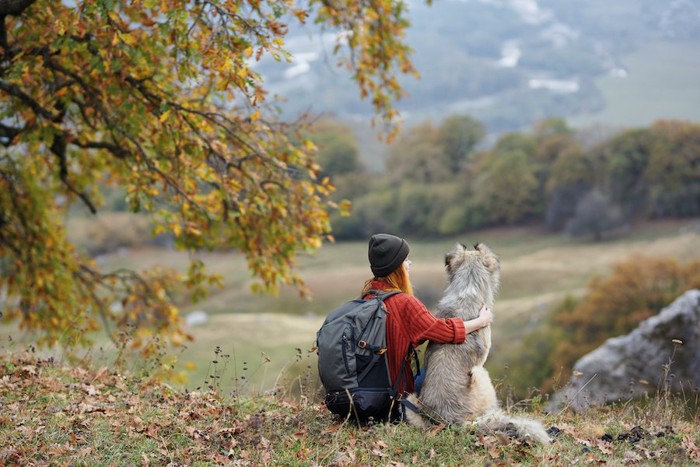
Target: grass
{"points": [[58, 414], [665, 74]]}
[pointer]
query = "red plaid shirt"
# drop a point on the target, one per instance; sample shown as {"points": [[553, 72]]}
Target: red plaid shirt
{"points": [[409, 322]]}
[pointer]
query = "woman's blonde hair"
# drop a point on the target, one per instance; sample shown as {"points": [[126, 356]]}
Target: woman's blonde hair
{"points": [[397, 280]]}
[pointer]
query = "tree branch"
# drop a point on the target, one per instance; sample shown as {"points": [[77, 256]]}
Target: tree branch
{"points": [[7, 134], [10, 8], [16, 91], [58, 147], [14, 7], [116, 151]]}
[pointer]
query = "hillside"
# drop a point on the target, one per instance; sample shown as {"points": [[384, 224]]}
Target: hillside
{"points": [[58, 414], [265, 335], [510, 63]]}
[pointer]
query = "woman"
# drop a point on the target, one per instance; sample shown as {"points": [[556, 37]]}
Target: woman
{"points": [[408, 321]]}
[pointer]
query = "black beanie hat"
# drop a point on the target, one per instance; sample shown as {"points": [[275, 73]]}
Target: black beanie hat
{"points": [[386, 253]]}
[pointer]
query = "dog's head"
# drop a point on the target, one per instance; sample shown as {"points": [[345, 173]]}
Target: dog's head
{"points": [[480, 264]]}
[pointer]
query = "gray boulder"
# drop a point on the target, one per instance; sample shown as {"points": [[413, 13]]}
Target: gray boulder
{"points": [[663, 350]]}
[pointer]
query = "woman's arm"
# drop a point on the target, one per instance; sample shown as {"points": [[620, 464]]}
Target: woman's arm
{"points": [[418, 324], [485, 318]]}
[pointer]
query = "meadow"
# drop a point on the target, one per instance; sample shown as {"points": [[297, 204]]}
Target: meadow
{"points": [[649, 75], [58, 414], [267, 341], [85, 411]]}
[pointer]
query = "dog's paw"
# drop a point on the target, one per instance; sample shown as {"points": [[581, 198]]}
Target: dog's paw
{"points": [[412, 417]]}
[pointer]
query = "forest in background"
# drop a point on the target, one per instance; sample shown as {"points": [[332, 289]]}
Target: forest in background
{"points": [[439, 180]]}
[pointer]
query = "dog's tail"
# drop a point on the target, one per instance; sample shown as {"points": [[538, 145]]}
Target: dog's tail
{"points": [[494, 421], [521, 428]]}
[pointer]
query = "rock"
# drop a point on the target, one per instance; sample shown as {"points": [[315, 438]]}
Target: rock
{"points": [[630, 366]]}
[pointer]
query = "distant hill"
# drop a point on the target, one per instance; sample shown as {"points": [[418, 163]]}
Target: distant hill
{"points": [[510, 63]]}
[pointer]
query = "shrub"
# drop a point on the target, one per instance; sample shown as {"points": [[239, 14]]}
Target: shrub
{"points": [[595, 215], [638, 288]]}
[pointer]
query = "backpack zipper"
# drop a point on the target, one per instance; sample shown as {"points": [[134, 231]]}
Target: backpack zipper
{"points": [[345, 353]]}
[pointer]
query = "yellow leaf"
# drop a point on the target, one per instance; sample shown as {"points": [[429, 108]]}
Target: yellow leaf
{"points": [[255, 116], [242, 72], [165, 115], [127, 38], [310, 146]]}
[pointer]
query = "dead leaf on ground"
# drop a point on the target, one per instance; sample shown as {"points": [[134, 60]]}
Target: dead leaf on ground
{"points": [[631, 456], [437, 429], [691, 448]]}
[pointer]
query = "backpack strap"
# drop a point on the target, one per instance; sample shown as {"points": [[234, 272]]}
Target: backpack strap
{"points": [[377, 352], [410, 353], [379, 294], [410, 406], [402, 372]]}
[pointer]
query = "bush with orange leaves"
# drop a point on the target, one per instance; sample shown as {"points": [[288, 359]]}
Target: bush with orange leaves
{"points": [[636, 289]]}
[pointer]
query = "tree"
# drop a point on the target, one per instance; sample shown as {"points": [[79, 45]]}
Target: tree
{"points": [[417, 156], [506, 189], [510, 142], [626, 158], [570, 178], [338, 153], [160, 98], [459, 135], [555, 143], [549, 127], [673, 172], [594, 215]]}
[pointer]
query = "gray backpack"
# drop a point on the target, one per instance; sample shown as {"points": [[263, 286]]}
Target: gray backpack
{"points": [[352, 361]]}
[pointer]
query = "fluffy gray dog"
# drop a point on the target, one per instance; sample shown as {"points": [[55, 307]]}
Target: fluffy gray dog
{"points": [[457, 388]]}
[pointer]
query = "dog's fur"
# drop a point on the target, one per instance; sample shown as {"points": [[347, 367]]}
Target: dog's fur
{"points": [[457, 388]]}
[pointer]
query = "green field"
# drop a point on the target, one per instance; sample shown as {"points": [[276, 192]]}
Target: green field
{"points": [[662, 83], [267, 338]]}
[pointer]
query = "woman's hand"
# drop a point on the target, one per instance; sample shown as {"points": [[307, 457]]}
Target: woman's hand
{"points": [[486, 316], [485, 319]]}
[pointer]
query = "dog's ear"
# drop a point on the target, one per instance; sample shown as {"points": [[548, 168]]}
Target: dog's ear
{"points": [[489, 258], [451, 255], [448, 260]]}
